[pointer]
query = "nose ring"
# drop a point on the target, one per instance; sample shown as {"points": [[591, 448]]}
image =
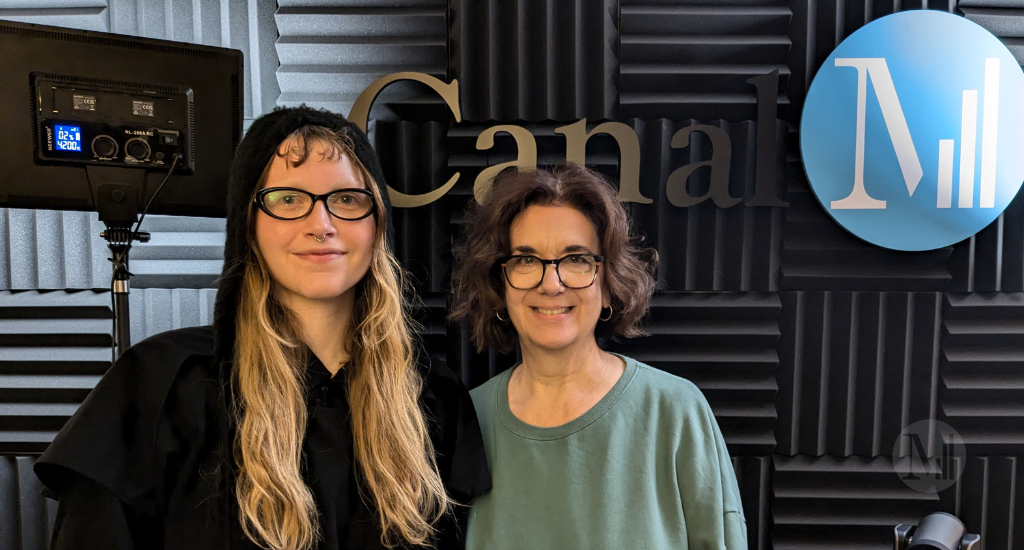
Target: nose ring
{"points": [[319, 238]]}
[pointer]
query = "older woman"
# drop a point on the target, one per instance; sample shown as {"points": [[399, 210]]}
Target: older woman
{"points": [[587, 449]]}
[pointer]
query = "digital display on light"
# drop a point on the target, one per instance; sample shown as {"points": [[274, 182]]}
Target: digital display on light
{"points": [[69, 138]]}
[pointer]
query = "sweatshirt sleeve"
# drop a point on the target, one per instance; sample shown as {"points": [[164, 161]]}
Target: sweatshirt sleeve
{"points": [[707, 483]]}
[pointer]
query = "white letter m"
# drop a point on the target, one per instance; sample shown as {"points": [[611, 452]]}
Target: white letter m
{"points": [[895, 123]]}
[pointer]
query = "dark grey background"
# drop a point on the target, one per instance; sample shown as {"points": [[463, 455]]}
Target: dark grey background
{"points": [[814, 348]]}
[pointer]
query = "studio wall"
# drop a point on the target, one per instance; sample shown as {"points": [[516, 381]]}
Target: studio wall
{"points": [[814, 348]]}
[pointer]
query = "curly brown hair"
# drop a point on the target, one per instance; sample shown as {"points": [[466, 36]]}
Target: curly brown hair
{"points": [[478, 287]]}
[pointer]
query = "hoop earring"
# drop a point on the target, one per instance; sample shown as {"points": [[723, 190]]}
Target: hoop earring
{"points": [[610, 312], [498, 315]]}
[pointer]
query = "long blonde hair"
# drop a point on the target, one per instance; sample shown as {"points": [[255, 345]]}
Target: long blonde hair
{"points": [[391, 443]]}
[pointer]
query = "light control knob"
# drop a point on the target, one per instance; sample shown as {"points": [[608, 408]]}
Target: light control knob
{"points": [[104, 146], [137, 148]]}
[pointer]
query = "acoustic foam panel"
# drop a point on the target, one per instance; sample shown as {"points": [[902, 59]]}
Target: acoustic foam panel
{"points": [[51, 250], [330, 51], [55, 346], [692, 59], [704, 247], [982, 371], [855, 369], [53, 349], [414, 159], [851, 503], [1003, 18], [534, 60], [48, 249], [753, 475], [988, 499]]}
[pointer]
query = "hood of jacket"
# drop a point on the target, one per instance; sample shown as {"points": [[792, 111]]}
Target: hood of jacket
{"points": [[260, 143]]}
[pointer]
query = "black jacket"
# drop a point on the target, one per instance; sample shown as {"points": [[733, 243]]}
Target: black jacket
{"points": [[146, 461]]}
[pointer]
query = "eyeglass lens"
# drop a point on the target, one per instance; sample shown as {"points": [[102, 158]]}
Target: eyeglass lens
{"points": [[293, 204], [575, 271]]}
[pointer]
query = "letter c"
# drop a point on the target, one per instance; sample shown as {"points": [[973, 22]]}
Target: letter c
{"points": [[360, 114]]}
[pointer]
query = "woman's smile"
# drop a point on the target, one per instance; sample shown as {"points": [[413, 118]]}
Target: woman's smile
{"points": [[320, 256], [559, 312]]}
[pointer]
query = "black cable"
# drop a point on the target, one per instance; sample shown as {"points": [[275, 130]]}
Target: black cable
{"points": [[118, 260], [113, 321], [138, 224], [174, 164]]}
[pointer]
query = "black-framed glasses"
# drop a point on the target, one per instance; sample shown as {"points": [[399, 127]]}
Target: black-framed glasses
{"points": [[525, 272], [289, 203]]}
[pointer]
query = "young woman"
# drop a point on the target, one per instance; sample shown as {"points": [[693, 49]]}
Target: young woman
{"points": [[587, 449], [301, 419]]}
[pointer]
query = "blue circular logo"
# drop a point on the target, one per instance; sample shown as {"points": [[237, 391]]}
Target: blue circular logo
{"points": [[912, 132]]}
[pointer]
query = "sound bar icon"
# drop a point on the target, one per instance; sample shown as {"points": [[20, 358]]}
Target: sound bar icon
{"points": [[877, 71], [968, 140]]}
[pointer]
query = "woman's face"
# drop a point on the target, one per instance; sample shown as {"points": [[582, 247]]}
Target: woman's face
{"points": [[552, 317], [306, 269]]}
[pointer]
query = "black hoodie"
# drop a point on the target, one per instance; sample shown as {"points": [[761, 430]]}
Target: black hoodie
{"points": [[146, 460]]}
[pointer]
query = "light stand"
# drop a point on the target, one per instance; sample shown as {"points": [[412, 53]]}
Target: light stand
{"points": [[118, 208], [118, 241]]}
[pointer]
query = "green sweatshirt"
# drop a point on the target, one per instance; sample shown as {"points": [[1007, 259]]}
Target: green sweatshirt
{"points": [[645, 468]]}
